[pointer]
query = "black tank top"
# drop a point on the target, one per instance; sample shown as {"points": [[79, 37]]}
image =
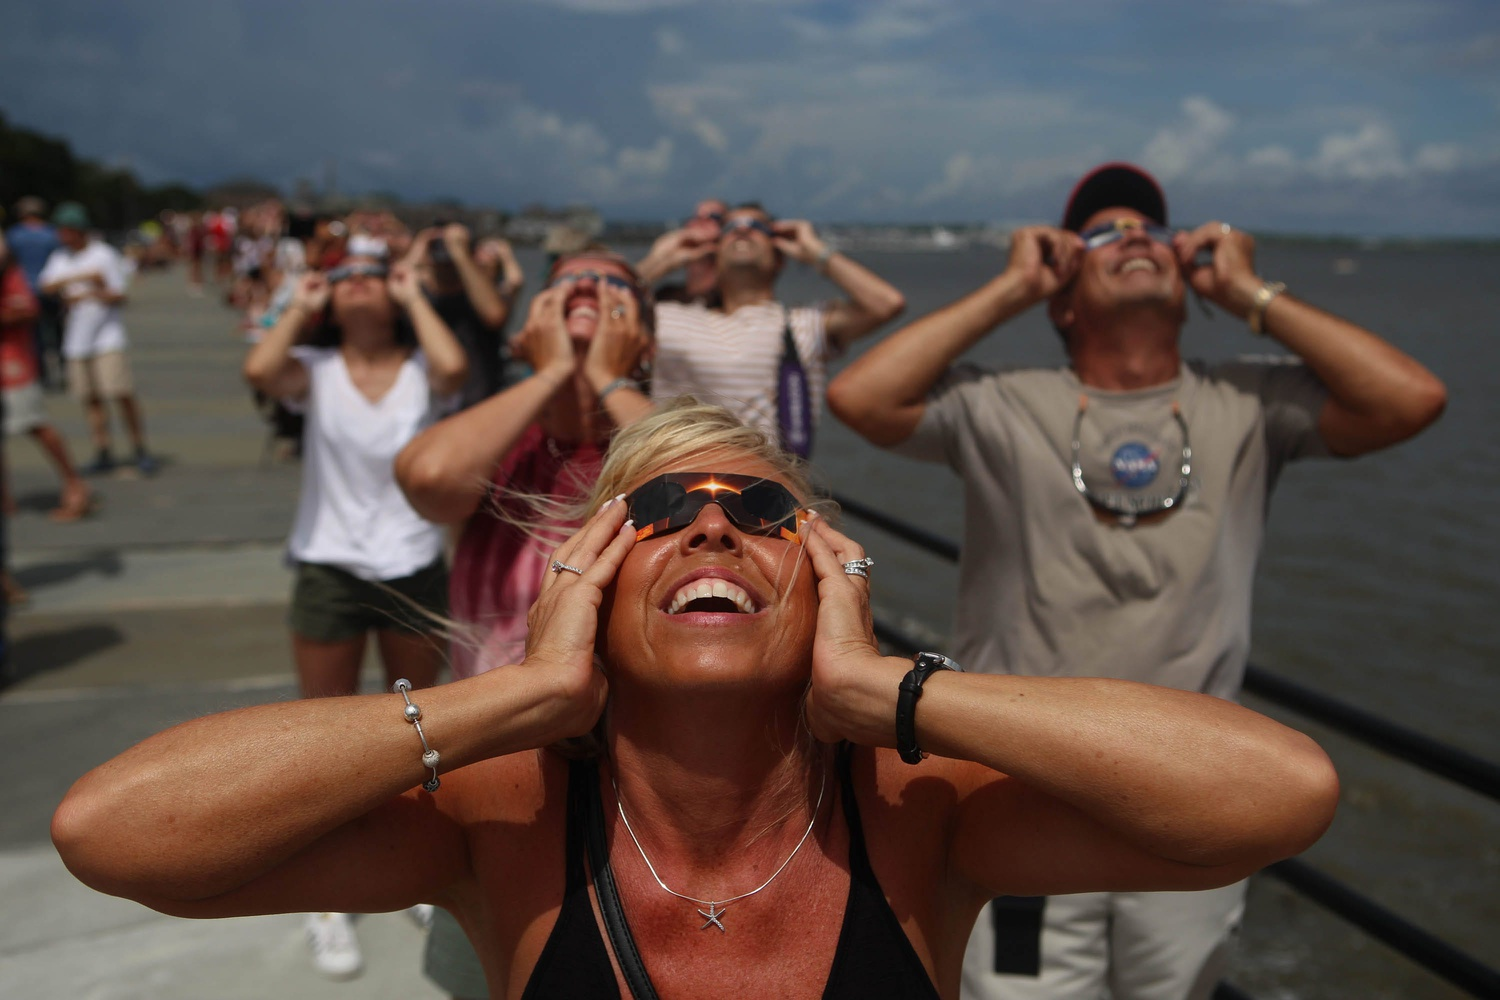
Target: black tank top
{"points": [[873, 956]]}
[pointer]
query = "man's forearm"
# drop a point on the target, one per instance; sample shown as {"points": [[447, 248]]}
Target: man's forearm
{"points": [[881, 394], [872, 299], [1379, 394]]}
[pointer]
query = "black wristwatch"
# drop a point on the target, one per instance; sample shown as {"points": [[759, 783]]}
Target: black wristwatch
{"points": [[923, 666]]}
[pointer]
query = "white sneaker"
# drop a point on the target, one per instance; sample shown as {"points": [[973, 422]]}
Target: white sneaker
{"points": [[334, 948], [421, 915]]}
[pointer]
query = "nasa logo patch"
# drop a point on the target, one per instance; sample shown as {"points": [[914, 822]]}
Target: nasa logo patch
{"points": [[1134, 465]]}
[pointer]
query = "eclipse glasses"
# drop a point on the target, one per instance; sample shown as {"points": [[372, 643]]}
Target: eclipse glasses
{"points": [[671, 502]]}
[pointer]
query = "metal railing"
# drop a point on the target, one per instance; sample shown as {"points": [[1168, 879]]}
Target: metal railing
{"points": [[1474, 773]]}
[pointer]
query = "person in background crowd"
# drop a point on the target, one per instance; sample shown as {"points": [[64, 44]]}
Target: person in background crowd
{"points": [[366, 562], [748, 352], [1115, 508], [464, 293], [691, 248], [88, 275], [222, 225], [25, 406], [196, 242], [32, 241], [538, 443]]}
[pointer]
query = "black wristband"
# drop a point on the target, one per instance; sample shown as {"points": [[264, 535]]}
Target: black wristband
{"points": [[923, 665]]}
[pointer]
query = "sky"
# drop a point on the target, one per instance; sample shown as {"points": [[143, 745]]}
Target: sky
{"points": [[1363, 117]]}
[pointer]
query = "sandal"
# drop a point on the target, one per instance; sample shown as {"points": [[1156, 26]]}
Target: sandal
{"points": [[75, 505]]}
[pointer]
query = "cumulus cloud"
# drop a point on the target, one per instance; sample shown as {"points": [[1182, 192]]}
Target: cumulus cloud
{"points": [[652, 163], [1371, 153], [669, 41], [1186, 144]]}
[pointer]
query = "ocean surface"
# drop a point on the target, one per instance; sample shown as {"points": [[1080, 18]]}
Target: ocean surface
{"points": [[1379, 584]]}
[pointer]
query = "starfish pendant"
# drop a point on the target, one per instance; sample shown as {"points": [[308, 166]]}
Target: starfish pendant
{"points": [[713, 913]]}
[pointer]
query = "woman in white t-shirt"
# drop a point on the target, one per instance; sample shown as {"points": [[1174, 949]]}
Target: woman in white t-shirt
{"points": [[384, 378], [366, 561]]}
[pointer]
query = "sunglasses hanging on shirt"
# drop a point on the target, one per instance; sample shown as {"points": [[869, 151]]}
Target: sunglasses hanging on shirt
{"points": [[1133, 465]]}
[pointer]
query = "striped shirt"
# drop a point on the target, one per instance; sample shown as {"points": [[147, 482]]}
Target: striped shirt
{"points": [[733, 360]]}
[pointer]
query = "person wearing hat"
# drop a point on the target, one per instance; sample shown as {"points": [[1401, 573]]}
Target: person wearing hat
{"points": [[32, 240], [1115, 507], [88, 275]]}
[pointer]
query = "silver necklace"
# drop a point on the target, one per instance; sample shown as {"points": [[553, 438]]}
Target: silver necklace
{"points": [[716, 907]]}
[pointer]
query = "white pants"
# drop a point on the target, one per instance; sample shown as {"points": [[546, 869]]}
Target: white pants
{"points": [[1120, 945]]}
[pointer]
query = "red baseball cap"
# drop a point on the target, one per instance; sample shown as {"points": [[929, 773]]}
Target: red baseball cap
{"points": [[1115, 184]]}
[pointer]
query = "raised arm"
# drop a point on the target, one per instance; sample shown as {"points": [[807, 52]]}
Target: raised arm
{"points": [[882, 394], [311, 804], [270, 367], [1080, 783], [447, 365], [1377, 395], [672, 250], [445, 470], [871, 299], [479, 286], [498, 260]]}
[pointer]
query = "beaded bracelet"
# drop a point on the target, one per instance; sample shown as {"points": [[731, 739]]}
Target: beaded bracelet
{"points": [[413, 714], [619, 383]]}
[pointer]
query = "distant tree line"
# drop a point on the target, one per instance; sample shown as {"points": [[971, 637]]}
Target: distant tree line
{"points": [[35, 164]]}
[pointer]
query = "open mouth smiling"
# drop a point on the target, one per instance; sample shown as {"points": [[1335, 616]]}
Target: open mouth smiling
{"points": [[713, 593]]}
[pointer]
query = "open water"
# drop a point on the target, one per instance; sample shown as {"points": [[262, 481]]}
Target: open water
{"points": [[1378, 584]]}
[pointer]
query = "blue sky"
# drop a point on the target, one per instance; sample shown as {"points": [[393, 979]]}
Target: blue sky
{"points": [[1351, 116]]}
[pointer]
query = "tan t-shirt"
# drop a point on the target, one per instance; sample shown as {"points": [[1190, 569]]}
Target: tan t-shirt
{"points": [[1045, 587]]}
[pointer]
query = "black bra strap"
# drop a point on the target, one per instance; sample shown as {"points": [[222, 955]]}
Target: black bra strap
{"points": [[620, 937]]}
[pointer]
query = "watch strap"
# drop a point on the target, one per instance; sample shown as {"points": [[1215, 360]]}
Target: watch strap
{"points": [[923, 666]]}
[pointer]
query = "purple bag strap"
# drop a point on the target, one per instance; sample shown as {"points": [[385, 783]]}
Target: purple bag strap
{"points": [[793, 399]]}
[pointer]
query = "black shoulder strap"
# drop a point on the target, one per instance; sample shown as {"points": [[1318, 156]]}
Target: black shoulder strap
{"points": [[620, 937]]}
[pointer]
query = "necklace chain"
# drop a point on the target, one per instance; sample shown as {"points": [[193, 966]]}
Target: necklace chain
{"points": [[715, 906]]}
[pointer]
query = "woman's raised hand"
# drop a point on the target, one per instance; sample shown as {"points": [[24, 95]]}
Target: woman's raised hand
{"points": [[845, 657], [311, 292], [543, 342], [620, 341], [563, 624], [403, 284]]}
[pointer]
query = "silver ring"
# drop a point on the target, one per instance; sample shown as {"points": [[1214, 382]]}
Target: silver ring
{"points": [[859, 567], [617, 312], [558, 567], [1225, 228]]}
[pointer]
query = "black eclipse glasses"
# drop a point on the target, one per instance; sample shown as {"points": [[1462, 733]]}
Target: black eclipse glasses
{"points": [[362, 270], [733, 226], [597, 277], [671, 502]]}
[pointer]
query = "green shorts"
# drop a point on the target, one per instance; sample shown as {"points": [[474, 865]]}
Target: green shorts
{"points": [[331, 605]]}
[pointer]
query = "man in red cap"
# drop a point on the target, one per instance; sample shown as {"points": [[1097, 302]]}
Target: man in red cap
{"points": [[1115, 508]]}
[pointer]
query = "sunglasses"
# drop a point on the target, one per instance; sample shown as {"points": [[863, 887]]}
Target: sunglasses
{"points": [[671, 502], [717, 218], [347, 271], [1106, 233], [735, 225], [1126, 506], [597, 277]]}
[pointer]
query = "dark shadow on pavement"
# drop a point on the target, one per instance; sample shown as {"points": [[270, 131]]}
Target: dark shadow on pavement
{"points": [[33, 654], [104, 562]]}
